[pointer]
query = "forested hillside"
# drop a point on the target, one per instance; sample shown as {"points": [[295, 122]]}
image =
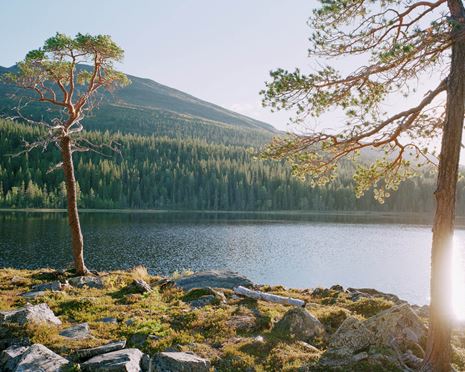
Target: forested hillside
{"points": [[173, 173]]}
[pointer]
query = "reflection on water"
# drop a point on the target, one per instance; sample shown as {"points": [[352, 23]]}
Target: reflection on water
{"points": [[295, 250]]}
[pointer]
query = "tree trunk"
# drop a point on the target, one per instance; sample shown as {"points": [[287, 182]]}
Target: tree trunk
{"points": [[73, 216], [438, 350]]}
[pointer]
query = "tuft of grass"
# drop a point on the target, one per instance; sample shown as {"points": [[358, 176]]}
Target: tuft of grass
{"points": [[140, 273], [368, 307]]}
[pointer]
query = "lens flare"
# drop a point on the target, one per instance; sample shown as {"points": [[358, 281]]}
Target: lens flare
{"points": [[458, 279]]}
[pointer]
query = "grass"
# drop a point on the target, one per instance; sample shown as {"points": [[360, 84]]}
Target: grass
{"points": [[167, 317]]}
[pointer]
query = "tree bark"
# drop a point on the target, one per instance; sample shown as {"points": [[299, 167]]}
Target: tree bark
{"points": [[73, 215], [438, 350]]}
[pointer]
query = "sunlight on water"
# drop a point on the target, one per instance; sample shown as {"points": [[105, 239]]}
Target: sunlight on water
{"points": [[458, 279]]}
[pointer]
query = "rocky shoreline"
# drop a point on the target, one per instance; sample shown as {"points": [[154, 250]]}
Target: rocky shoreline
{"points": [[131, 321]]}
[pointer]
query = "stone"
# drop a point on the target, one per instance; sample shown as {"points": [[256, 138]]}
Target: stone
{"points": [[357, 293], [259, 339], [40, 313], [146, 363], [213, 279], [399, 324], [33, 294], [129, 322], [77, 332], [125, 360], [9, 358], [298, 324], [141, 286], [109, 320], [18, 280], [337, 287], [360, 356], [351, 336], [179, 362], [89, 281], [39, 358], [50, 286], [84, 354], [200, 297]]}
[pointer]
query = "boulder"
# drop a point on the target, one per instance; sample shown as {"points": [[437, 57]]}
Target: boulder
{"points": [[139, 340], [357, 293], [18, 280], [242, 323], [39, 358], [180, 362], [9, 358], [77, 332], [84, 354], [398, 324], [351, 336], [213, 279], [50, 286], [125, 360], [141, 286], [298, 324], [40, 313], [87, 281]]}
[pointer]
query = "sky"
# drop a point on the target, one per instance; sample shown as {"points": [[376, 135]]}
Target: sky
{"points": [[219, 51]]}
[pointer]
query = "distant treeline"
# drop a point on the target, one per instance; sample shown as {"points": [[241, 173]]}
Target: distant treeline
{"points": [[172, 173]]}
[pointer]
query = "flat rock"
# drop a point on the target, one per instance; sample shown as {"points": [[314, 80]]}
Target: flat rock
{"points": [[18, 280], [180, 362], [109, 320], [352, 336], [141, 286], [39, 358], [77, 332], [40, 313], [50, 286], [84, 354], [298, 324], [87, 281], [9, 358], [213, 279], [242, 323], [125, 360], [33, 294]]}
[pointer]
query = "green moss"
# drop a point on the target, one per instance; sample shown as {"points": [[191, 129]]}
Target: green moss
{"points": [[368, 307]]}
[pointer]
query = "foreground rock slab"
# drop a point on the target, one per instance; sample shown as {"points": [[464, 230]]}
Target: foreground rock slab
{"points": [[84, 354], [40, 313], [298, 324], [9, 358], [89, 281], [179, 361], [77, 332], [213, 279], [39, 358], [126, 360]]}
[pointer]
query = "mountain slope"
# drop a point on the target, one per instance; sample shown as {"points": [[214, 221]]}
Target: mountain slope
{"points": [[147, 107]]}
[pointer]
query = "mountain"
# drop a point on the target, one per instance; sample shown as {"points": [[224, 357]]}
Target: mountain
{"points": [[148, 108]]}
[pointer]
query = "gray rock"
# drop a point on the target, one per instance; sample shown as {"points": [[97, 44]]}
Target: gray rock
{"points": [[39, 358], [77, 332], [179, 362], [140, 339], [125, 360], [51, 286], [351, 336], [360, 356], [399, 323], [109, 320], [200, 297], [9, 358], [33, 294], [146, 363], [89, 281], [18, 280], [84, 354], [40, 313], [129, 322], [357, 293], [141, 286], [242, 323], [213, 279], [298, 324]]}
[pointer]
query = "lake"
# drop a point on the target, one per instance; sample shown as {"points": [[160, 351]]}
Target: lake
{"points": [[386, 252]]}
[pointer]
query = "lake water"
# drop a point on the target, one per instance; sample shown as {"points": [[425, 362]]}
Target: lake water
{"points": [[389, 253]]}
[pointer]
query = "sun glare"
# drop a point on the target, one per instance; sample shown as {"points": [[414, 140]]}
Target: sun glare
{"points": [[458, 279]]}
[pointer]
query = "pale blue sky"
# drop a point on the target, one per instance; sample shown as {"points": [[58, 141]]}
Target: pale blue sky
{"points": [[219, 51]]}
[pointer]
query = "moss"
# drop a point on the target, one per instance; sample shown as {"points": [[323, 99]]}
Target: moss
{"points": [[368, 307]]}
